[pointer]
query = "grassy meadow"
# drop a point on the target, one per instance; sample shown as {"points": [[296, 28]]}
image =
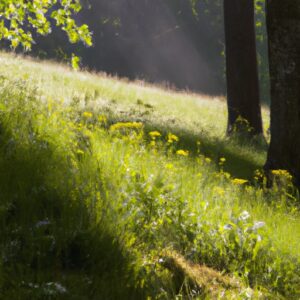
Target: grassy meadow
{"points": [[121, 190]]}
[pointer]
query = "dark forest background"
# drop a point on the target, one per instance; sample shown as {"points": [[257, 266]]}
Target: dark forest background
{"points": [[161, 41]]}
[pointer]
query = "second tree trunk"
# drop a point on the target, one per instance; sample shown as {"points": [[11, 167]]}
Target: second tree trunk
{"points": [[283, 22], [241, 67]]}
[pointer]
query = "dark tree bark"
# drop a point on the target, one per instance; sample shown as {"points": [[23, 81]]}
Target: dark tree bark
{"points": [[241, 65], [283, 24]]}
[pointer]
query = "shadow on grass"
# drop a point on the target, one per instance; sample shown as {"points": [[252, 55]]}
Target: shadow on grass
{"points": [[52, 247], [243, 156]]}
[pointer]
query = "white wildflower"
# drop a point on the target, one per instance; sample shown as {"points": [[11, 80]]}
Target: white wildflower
{"points": [[244, 216]]}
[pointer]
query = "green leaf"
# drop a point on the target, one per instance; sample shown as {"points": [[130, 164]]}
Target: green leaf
{"points": [[75, 62]]}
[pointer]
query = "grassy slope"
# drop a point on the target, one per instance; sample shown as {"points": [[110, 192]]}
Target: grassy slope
{"points": [[194, 117], [200, 199]]}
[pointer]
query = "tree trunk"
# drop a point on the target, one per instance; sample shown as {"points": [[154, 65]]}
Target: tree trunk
{"points": [[241, 66], [283, 24]]}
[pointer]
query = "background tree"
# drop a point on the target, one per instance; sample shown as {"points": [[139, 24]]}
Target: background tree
{"points": [[283, 24], [20, 19], [241, 66]]}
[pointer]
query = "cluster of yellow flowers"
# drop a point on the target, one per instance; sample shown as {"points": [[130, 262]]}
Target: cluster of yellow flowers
{"points": [[282, 173], [87, 115], [154, 134], [126, 125], [172, 138], [182, 152]]}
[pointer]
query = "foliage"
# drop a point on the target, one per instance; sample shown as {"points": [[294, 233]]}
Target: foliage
{"points": [[20, 19]]}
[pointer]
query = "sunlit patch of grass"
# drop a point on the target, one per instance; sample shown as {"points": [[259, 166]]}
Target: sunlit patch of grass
{"points": [[99, 178], [190, 116]]}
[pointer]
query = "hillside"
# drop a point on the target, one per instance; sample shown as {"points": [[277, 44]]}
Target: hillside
{"points": [[120, 190]]}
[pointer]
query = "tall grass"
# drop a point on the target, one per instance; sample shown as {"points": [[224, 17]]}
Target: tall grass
{"points": [[95, 193]]}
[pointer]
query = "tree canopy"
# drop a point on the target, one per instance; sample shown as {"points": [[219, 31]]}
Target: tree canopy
{"points": [[20, 20]]}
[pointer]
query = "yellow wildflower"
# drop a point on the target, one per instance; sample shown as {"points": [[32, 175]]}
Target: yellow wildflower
{"points": [[169, 166], [182, 152], [238, 181], [172, 138], [282, 173], [126, 125], [208, 160], [87, 115], [154, 134], [222, 160]]}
